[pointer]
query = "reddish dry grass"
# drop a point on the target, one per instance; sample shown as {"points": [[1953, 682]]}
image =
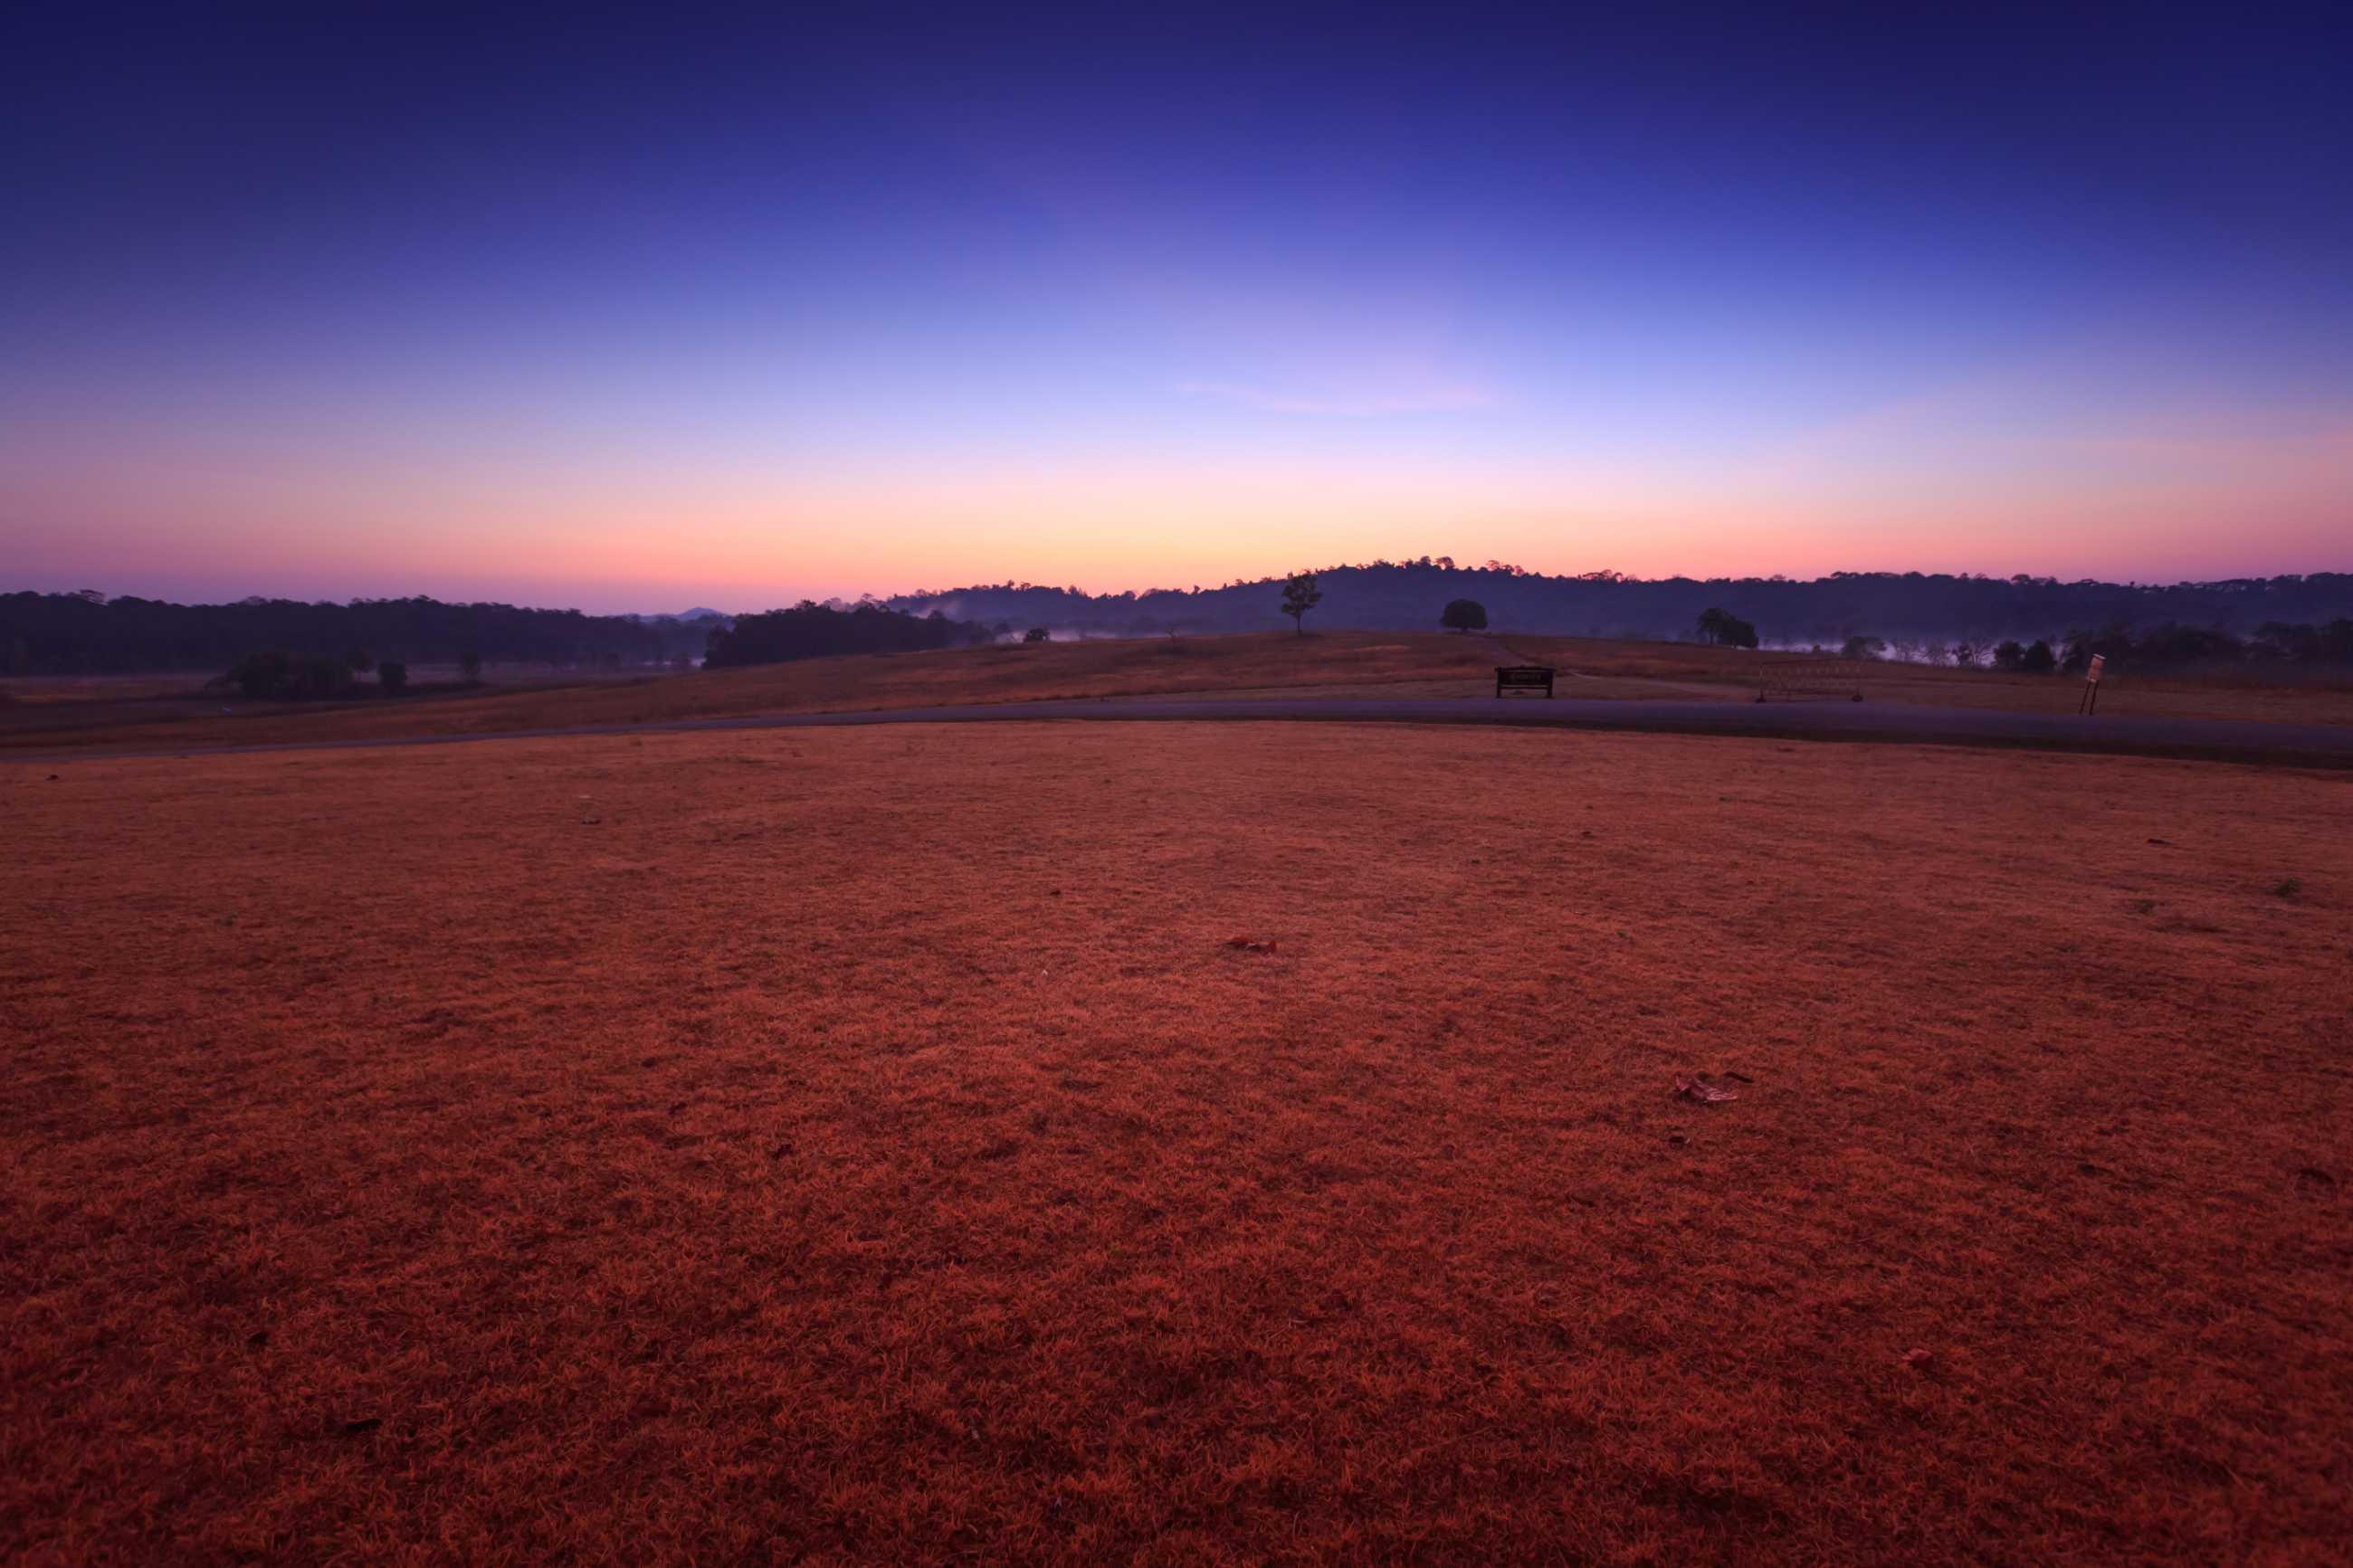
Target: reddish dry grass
{"points": [[1337, 664], [865, 1145]]}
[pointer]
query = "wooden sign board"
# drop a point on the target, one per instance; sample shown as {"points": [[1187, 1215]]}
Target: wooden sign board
{"points": [[1522, 677], [2091, 702]]}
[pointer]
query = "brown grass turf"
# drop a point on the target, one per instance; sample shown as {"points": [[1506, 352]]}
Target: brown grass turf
{"points": [[1335, 664], [862, 1145]]}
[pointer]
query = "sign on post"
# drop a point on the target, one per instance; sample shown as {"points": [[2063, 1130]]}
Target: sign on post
{"points": [[1522, 677], [2091, 702]]}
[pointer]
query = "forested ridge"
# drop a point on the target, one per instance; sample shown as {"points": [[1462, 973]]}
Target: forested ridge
{"points": [[1410, 596], [2305, 619], [90, 634]]}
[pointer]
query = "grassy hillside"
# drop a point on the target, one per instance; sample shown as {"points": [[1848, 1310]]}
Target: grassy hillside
{"points": [[1337, 664]]}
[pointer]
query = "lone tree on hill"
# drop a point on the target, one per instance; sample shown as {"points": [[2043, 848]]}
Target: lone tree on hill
{"points": [[1725, 630], [1464, 616], [1301, 594]]}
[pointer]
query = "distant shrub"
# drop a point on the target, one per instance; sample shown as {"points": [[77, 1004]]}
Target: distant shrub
{"points": [[392, 677], [1035, 633], [469, 665], [1464, 616], [1725, 630], [1861, 647], [279, 674], [259, 674], [316, 676]]}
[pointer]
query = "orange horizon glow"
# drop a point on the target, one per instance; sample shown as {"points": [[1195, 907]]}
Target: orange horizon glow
{"points": [[2134, 503]]}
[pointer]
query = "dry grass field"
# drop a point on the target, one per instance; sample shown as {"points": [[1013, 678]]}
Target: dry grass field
{"points": [[866, 1146], [122, 716]]}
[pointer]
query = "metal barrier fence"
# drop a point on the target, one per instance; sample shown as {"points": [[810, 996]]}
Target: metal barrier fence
{"points": [[1812, 680]]}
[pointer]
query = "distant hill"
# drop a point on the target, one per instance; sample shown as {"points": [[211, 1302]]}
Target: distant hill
{"points": [[1408, 595]]}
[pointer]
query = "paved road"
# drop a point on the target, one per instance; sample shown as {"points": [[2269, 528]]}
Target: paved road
{"points": [[2303, 746]]}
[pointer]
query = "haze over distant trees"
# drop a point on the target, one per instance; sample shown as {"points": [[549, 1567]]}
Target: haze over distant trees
{"points": [[1900, 607]]}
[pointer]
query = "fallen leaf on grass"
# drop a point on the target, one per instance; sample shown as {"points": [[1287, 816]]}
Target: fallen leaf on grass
{"points": [[1706, 1093], [1916, 1358], [1250, 945]]}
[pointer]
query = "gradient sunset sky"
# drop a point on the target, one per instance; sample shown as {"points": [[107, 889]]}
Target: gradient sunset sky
{"points": [[570, 306]]}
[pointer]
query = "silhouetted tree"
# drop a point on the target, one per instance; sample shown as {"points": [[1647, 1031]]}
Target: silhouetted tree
{"points": [[469, 665], [277, 673], [2008, 653], [1857, 646], [392, 678], [1464, 616], [2037, 659], [1035, 633], [1301, 594], [361, 660], [1722, 628]]}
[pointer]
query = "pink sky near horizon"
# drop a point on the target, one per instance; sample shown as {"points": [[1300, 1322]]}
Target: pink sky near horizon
{"points": [[617, 531]]}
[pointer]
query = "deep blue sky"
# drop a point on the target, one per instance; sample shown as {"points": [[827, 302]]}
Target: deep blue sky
{"points": [[622, 310]]}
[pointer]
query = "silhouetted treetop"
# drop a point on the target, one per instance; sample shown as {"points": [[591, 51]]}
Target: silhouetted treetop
{"points": [[810, 630]]}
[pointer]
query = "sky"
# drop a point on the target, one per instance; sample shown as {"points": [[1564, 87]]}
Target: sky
{"points": [[638, 310]]}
